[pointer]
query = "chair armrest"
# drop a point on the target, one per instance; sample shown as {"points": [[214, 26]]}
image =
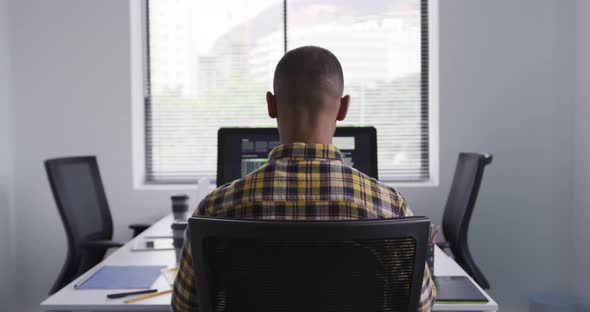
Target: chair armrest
{"points": [[100, 244], [138, 228], [443, 245]]}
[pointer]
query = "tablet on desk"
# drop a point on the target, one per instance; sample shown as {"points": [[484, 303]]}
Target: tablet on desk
{"points": [[457, 289]]}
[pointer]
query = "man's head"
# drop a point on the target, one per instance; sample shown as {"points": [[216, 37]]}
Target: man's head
{"points": [[307, 100]]}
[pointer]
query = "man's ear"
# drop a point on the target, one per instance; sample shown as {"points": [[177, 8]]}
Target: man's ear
{"points": [[344, 103], [271, 104]]}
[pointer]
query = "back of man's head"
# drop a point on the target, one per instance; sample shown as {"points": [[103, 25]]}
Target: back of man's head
{"points": [[306, 76], [308, 85]]}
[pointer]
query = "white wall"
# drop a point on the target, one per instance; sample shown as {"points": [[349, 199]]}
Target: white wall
{"points": [[506, 75], [581, 172], [71, 93], [506, 80], [7, 255]]}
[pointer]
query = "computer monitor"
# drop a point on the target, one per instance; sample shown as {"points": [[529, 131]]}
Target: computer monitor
{"points": [[241, 151]]}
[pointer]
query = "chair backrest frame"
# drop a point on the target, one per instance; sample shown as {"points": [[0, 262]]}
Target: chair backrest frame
{"points": [[77, 261], [203, 228], [459, 208]]}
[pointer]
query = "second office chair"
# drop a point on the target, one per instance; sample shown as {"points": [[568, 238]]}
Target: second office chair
{"points": [[84, 210], [459, 208]]}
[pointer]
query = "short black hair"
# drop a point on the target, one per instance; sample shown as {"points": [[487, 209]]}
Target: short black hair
{"points": [[311, 66]]}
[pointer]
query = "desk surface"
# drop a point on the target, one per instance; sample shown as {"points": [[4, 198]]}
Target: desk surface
{"points": [[68, 298]]}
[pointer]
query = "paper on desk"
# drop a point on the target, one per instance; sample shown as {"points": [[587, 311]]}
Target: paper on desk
{"points": [[170, 275], [123, 277]]}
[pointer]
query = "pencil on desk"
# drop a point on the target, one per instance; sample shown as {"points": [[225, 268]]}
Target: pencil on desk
{"points": [[88, 275], [148, 296], [434, 235]]}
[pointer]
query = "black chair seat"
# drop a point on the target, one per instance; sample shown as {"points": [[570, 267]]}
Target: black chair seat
{"points": [[368, 265]]}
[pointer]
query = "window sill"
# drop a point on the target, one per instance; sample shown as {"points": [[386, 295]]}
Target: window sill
{"points": [[165, 186], [423, 184]]}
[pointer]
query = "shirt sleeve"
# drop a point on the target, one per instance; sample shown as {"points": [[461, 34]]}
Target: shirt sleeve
{"points": [[428, 293], [184, 294]]}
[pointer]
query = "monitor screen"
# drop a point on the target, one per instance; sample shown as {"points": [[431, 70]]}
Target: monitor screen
{"points": [[241, 151]]}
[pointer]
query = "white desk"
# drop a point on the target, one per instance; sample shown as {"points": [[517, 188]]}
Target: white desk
{"points": [[70, 299]]}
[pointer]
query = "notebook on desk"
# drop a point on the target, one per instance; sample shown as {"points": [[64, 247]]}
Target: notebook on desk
{"points": [[457, 289], [121, 277]]}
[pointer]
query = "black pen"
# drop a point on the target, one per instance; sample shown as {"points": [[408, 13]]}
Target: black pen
{"points": [[131, 293]]}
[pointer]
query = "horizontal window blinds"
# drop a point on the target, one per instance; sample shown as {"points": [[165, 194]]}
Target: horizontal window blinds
{"points": [[210, 64]]}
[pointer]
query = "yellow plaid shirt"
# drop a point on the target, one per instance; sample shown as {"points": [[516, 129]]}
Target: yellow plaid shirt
{"points": [[299, 182]]}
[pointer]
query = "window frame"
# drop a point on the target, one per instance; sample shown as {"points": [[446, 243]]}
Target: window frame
{"points": [[140, 96]]}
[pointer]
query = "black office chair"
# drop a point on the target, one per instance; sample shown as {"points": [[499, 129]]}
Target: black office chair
{"points": [[368, 265], [82, 205], [459, 208]]}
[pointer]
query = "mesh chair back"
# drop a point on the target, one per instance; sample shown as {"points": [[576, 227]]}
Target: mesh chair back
{"points": [[459, 208], [375, 265], [83, 208]]}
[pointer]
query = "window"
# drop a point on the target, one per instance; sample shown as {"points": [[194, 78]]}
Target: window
{"points": [[210, 63]]}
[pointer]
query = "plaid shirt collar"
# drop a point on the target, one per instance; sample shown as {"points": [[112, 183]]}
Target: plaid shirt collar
{"points": [[305, 152]]}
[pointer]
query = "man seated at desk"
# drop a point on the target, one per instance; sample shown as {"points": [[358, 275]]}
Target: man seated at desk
{"points": [[307, 103]]}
